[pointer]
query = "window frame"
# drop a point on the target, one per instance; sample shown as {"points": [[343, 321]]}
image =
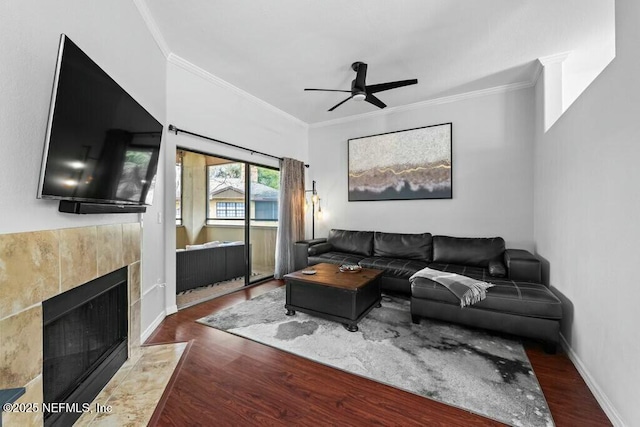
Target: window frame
{"points": [[179, 217]]}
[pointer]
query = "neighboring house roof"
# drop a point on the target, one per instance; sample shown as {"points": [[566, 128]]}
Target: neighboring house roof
{"points": [[220, 189]]}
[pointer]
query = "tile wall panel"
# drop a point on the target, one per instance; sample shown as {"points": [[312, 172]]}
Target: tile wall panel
{"points": [[109, 248], [78, 256], [21, 347], [33, 394], [29, 270], [35, 266]]}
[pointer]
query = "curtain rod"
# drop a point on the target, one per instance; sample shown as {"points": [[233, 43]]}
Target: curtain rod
{"points": [[172, 128]]}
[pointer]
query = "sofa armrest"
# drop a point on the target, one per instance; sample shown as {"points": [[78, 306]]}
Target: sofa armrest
{"points": [[301, 251], [320, 248], [313, 242], [523, 265]]}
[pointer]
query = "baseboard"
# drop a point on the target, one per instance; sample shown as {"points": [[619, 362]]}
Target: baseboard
{"points": [[172, 309], [602, 398], [152, 327]]}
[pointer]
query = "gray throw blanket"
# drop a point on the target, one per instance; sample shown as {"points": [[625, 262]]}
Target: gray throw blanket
{"points": [[469, 291]]}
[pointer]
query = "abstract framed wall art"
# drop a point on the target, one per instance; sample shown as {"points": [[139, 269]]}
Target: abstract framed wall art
{"points": [[404, 165]]}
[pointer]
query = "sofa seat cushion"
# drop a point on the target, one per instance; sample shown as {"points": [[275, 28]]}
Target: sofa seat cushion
{"points": [[507, 296], [394, 267], [337, 258]]}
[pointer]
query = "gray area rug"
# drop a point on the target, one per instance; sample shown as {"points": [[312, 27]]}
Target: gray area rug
{"points": [[470, 369]]}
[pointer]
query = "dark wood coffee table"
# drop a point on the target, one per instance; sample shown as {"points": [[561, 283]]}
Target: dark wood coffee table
{"points": [[333, 295]]}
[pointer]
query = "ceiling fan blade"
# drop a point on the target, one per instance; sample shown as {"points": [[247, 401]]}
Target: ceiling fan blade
{"points": [[371, 99], [339, 104], [391, 85], [331, 90]]}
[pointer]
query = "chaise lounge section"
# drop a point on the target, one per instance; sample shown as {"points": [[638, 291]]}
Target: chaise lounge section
{"points": [[518, 304]]}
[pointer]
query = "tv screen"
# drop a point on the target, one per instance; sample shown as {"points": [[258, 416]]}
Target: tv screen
{"points": [[101, 145]]}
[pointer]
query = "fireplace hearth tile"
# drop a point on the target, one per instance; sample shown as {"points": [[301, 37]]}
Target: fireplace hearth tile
{"points": [[78, 256], [136, 394], [29, 269], [107, 391], [20, 358]]}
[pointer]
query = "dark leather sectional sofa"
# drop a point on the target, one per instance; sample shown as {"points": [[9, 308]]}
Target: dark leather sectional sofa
{"points": [[518, 304]]}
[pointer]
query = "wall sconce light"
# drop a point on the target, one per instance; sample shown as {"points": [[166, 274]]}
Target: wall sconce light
{"points": [[319, 214], [315, 200]]}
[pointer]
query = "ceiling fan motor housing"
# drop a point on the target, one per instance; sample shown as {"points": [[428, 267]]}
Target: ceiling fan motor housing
{"points": [[357, 64], [358, 85]]}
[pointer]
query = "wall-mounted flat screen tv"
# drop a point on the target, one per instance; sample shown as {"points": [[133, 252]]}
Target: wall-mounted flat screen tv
{"points": [[101, 145]]}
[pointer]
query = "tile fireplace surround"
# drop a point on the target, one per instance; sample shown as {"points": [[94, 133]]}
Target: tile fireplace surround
{"points": [[35, 266]]}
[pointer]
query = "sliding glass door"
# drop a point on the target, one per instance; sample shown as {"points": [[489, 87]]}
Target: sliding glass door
{"points": [[243, 207], [263, 224], [226, 208], [229, 209]]}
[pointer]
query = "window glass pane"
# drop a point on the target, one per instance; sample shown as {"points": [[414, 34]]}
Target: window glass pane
{"points": [[229, 210], [266, 210], [225, 189]]}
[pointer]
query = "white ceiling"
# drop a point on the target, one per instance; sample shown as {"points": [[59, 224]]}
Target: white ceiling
{"points": [[274, 49]]}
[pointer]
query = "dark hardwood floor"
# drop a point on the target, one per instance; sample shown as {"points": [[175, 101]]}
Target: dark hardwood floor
{"points": [[227, 380]]}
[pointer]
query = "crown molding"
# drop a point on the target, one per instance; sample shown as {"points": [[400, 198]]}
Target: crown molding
{"points": [[144, 11], [428, 103], [202, 73], [553, 59], [153, 28], [537, 72], [547, 60]]}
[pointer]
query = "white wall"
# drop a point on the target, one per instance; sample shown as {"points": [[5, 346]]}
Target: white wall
{"points": [[114, 35], [492, 171], [587, 205], [200, 103]]}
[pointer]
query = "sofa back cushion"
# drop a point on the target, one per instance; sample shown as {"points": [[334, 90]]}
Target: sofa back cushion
{"points": [[353, 242], [405, 246], [470, 251]]}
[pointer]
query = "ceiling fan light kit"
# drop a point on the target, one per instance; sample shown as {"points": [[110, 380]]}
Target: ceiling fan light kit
{"points": [[361, 92]]}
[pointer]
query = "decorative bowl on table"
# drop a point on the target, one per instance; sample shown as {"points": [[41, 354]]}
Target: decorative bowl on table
{"points": [[349, 268]]}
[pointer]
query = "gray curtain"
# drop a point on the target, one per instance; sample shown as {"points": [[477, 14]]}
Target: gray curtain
{"points": [[290, 214]]}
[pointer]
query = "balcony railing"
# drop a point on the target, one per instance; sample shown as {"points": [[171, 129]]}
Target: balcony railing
{"points": [[263, 239]]}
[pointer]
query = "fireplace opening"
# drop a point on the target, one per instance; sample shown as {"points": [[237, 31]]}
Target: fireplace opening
{"points": [[84, 344]]}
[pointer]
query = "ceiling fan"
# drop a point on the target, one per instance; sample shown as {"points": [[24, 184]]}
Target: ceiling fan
{"points": [[360, 91]]}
